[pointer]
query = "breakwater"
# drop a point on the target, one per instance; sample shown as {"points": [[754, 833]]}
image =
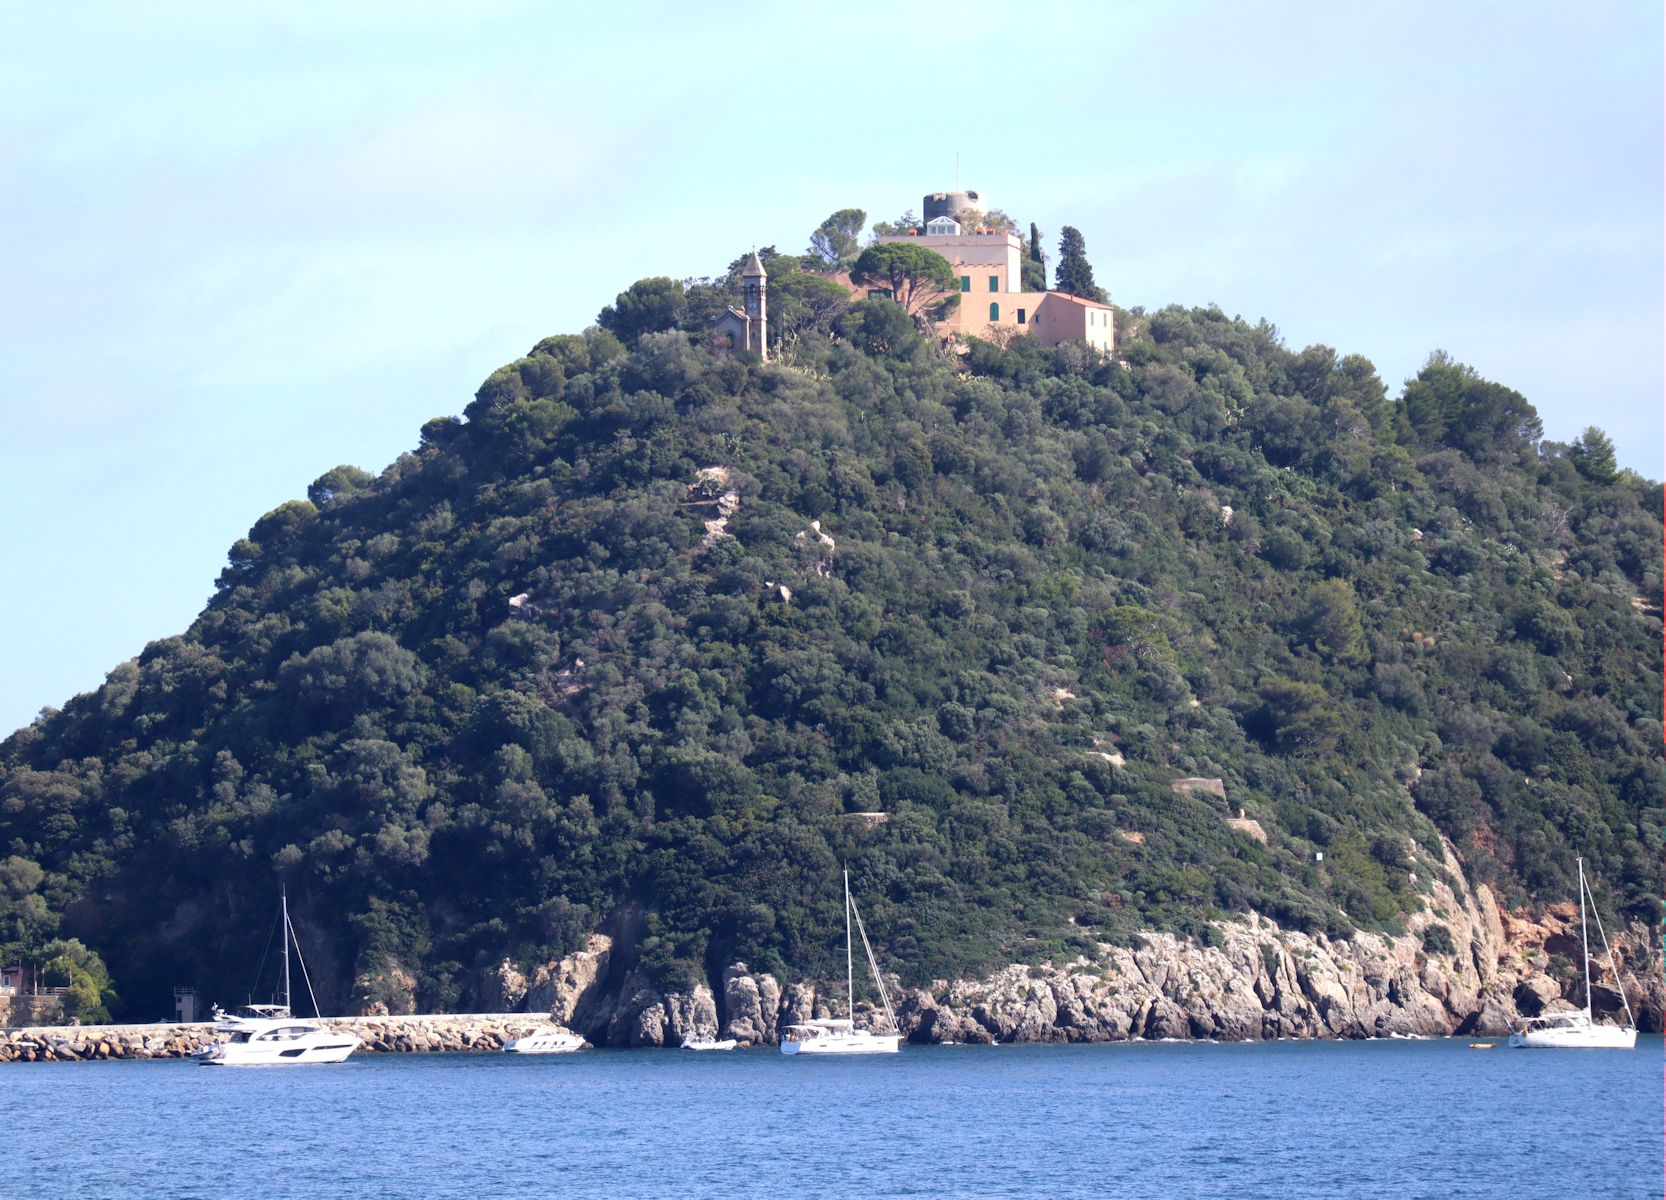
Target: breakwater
{"points": [[418, 1034]]}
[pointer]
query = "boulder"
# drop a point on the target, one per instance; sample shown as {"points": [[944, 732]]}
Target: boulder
{"points": [[573, 989], [1534, 994], [690, 1015], [751, 1005], [798, 1005]]}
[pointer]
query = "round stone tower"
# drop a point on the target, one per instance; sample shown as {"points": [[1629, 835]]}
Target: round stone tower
{"points": [[952, 204]]}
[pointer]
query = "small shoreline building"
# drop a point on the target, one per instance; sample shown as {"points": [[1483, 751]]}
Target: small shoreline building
{"points": [[993, 303]]}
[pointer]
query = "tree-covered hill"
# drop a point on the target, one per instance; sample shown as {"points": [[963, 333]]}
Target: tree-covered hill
{"points": [[587, 656]]}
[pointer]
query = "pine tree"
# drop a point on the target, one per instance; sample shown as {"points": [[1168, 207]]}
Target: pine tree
{"points": [[1075, 273]]}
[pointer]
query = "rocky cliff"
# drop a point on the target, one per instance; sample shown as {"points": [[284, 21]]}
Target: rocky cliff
{"points": [[1465, 965]]}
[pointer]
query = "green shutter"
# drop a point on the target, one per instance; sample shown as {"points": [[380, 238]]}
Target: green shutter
{"points": [[965, 283], [994, 283], [994, 311]]}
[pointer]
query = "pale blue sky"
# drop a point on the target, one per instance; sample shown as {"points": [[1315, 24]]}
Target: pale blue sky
{"points": [[242, 249]]}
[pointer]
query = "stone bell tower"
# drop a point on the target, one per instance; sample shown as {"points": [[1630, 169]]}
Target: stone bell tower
{"points": [[754, 283]]}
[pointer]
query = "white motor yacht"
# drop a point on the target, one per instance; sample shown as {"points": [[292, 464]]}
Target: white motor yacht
{"points": [[1578, 1030], [839, 1035], [267, 1035], [270, 1034], [554, 1040]]}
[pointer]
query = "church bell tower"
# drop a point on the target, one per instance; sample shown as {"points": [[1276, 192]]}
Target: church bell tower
{"points": [[754, 282]]}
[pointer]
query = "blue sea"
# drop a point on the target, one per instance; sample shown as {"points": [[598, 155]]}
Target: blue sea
{"points": [[1403, 1119]]}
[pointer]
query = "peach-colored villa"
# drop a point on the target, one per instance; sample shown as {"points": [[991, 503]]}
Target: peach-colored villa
{"points": [[990, 266]]}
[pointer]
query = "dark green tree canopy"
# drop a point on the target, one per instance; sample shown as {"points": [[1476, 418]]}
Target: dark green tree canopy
{"points": [[801, 303], [1593, 455], [905, 224], [838, 240], [918, 278], [624, 645], [1448, 404], [1074, 273], [647, 306]]}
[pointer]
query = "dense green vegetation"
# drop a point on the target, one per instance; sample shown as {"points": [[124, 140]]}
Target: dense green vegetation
{"points": [[516, 685]]}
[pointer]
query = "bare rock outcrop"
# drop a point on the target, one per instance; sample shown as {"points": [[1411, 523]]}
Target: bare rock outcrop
{"points": [[1480, 972], [571, 989], [751, 1005], [385, 989], [647, 1017]]}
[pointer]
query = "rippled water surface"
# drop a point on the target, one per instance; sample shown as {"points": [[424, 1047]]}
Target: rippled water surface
{"points": [[1367, 1119]]}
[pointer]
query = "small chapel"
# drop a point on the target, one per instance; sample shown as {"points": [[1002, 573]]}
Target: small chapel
{"points": [[746, 328]]}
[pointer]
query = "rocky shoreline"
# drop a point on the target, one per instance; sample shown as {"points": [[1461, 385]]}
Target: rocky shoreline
{"points": [[1464, 966]]}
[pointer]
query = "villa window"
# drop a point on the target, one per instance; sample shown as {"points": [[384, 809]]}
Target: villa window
{"points": [[1020, 316], [965, 283], [994, 311], [994, 283]]}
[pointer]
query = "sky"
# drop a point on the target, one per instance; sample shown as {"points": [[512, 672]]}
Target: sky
{"points": [[246, 243]]}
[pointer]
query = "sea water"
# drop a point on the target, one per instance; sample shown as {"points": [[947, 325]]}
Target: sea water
{"points": [[1404, 1119]]}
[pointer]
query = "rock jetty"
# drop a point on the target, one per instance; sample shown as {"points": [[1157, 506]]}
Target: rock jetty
{"points": [[381, 1034]]}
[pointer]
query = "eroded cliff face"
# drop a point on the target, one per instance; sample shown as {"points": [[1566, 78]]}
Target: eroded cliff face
{"points": [[1260, 982], [1268, 982]]}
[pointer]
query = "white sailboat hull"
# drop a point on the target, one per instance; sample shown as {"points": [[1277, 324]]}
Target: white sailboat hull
{"points": [[1575, 1037], [845, 1043], [1576, 1030]]}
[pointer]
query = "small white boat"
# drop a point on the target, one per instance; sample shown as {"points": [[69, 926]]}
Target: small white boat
{"points": [[1578, 1030], [554, 1040], [839, 1035], [269, 1034], [710, 1044]]}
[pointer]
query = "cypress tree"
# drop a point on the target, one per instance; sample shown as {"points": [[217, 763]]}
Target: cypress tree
{"points": [[1035, 263], [1074, 273]]}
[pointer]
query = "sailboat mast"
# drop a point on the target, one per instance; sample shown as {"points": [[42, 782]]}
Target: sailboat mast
{"points": [[1584, 938], [850, 968], [283, 900]]}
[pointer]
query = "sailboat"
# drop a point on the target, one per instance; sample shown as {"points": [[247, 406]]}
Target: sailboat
{"points": [[839, 1035], [269, 1034], [1577, 1029]]}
